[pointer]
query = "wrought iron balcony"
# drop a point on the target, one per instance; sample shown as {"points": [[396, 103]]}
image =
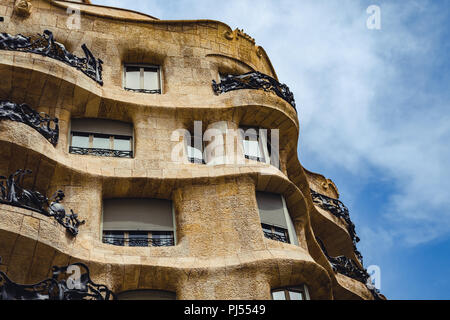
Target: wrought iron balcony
{"points": [[155, 91], [257, 81], [338, 209], [139, 242], [46, 45], [48, 127], [276, 237], [350, 268], [13, 193], [61, 286], [101, 152]]}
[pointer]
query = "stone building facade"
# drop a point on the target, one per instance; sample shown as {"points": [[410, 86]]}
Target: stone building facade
{"points": [[96, 101]]}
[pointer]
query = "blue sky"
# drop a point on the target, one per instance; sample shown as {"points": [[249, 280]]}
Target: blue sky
{"points": [[374, 115]]}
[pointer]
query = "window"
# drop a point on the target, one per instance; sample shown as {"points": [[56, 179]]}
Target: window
{"points": [[194, 149], [255, 144], [138, 222], [275, 219], [146, 79], [291, 293], [147, 295], [100, 137]]}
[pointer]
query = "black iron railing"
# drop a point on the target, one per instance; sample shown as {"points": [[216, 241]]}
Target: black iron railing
{"points": [[46, 45], [254, 80], [154, 91], [276, 237], [48, 127], [63, 285], [101, 152], [338, 209], [139, 242], [13, 193], [350, 268]]}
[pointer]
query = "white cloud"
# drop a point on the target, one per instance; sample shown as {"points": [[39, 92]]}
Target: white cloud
{"points": [[362, 104]]}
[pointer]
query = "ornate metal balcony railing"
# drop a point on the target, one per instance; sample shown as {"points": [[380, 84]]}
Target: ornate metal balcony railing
{"points": [[48, 127], [57, 287], [276, 237], [101, 152], [338, 209], [254, 80], [13, 193], [350, 268], [46, 45], [139, 242], [155, 91]]}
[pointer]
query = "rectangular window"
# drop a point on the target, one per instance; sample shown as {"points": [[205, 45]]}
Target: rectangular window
{"points": [[194, 149], [255, 144], [100, 137], [140, 222], [146, 79], [291, 293], [275, 219]]}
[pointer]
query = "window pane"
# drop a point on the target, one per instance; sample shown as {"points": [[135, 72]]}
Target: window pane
{"points": [[122, 144], [138, 239], [116, 238], [162, 238], [252, 149], [294, 295], [101, 142], [278, 295], [194, 154], [80, 141], [133, 78], [151, 79]]}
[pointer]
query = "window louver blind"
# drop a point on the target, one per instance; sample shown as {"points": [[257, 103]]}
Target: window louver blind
{"points": [[137, 215], [102, 126], [271, 209]]}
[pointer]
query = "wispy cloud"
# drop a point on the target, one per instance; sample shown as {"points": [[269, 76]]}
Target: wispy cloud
{"points": [[367, 99]]}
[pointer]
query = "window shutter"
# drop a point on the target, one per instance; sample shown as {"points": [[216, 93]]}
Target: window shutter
{"points": [[271, 209], [102, 126], [137, 215]]}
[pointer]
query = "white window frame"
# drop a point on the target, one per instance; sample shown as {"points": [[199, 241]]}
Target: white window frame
{"points": [[142, 67], [301, 288], [262, 143]]}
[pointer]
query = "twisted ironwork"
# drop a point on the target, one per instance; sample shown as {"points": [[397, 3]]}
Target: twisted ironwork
{"points": [[254, 80], [101, 152], [276, 237], [139, 242], [72, 282], [154, 91], [350, 268], [13, 193], [48, 127], [46, 45], [338, 209]]}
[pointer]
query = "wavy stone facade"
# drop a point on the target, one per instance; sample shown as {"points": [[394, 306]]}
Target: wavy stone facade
{"points": [[220, 250]]}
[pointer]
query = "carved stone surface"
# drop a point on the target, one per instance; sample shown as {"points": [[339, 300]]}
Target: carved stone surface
{"points": [[46, 45], [23, 8], [349, 268], [63, 285], [338, 209], [48, 127], [12, 193], [254, 80]]}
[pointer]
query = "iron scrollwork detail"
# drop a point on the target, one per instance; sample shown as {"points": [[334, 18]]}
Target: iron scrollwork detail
{"points": [[101, 152], [48, 127], [254, 80], [338, 209], [349, 268], [13, 193], [46, 45], [57, 287]]}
